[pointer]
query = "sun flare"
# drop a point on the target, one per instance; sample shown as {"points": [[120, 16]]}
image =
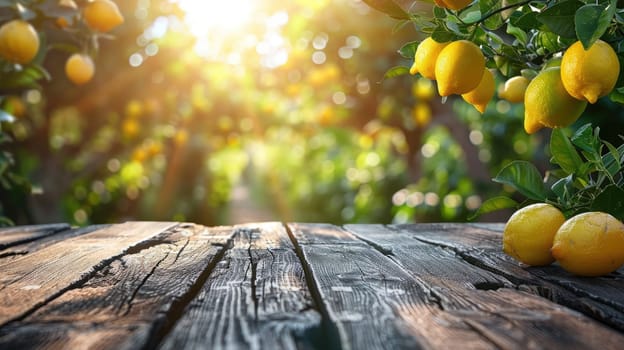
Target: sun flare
{"points": [[212, 17]]}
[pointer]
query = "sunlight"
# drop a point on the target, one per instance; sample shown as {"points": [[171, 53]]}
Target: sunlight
{"points": [[212, 17]]}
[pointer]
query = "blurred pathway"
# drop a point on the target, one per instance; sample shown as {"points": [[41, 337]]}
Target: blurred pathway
{"points": [[243, 209]]}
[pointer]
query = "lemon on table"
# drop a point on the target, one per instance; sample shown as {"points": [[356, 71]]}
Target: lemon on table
{"points": [[548, 104], [483, 93], [19, 42], [425, 58], [590, 244], [529, 233], [589, 74], [514, 88], [459, 68]]}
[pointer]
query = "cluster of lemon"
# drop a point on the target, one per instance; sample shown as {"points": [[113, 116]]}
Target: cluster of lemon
{"points": [[458, 67], [587, 244], [556, 97], [19, 41]]}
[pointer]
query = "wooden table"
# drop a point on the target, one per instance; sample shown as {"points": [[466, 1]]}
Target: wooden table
{"points": [[313, 286]]}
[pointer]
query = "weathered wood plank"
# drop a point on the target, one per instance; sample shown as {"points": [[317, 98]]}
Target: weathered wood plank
{"points": [[32, 280], [373, 302], [487, 302], [22, 249], [256, 298], [129, 302], [599, 298], [10, 236]]}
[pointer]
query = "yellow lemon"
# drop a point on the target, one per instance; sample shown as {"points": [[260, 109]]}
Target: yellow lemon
{"points": [[421, 114], [529, 232], [19, 42], [102, 15], [459, 68], [483, 93], [453, 4], [590, 244], [423, 89], [79, 68], [548, 104], [425, 58], [589, 74], [553, 62], [514, 88]]}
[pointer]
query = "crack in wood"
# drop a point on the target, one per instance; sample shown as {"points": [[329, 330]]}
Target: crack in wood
{"points": [[80, 282], [159, 330], [188, 240], [49, 231], [254, 266], [328, 330], [143, 281], [13, 253]]}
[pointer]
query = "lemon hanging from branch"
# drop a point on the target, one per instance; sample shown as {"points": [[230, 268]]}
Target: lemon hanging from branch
{"points": [[483, 93], [548, 104], [513, 90], [102, 15], [19, 42], [459, 68], [589, 74], [425, 58], [79, 68]]}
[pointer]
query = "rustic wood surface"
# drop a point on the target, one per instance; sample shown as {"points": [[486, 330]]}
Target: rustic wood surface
{"points": [[165, 285]]}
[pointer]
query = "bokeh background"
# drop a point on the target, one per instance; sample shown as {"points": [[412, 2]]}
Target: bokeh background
{"points": [[220, 112]]}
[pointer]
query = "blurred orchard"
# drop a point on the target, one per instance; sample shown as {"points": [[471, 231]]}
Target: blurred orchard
{"points": [[215, 111]]}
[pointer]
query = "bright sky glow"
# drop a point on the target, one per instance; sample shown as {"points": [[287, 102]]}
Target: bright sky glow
{"points": [[217, 25], [206, 16]]}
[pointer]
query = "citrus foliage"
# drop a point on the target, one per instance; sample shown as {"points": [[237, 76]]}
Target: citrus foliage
{"points": [[525, 42], [29, 32]]}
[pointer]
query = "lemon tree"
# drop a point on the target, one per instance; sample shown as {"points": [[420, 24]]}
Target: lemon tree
{"points": [[29, 32], [555, 58]]}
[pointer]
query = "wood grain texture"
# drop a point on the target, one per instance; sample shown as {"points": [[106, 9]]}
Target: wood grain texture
{"points": [[598, 297], [487, 302], [374, 302], [19, 250], [10, 236], [256, 298], [128, 303], [34, 279]]}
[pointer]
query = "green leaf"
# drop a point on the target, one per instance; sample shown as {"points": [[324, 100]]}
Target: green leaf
{"points": [[409, 49], [396, 72], [470, 17], [559, 18], [617, 95], [613, 160], [488, 6], [591, 22], [527, 21], [494, 204], [525, 178], [518, 33], [563, 187], [388, 7], [610, 200], [563, 153], [584, 138], [441, 34]]}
